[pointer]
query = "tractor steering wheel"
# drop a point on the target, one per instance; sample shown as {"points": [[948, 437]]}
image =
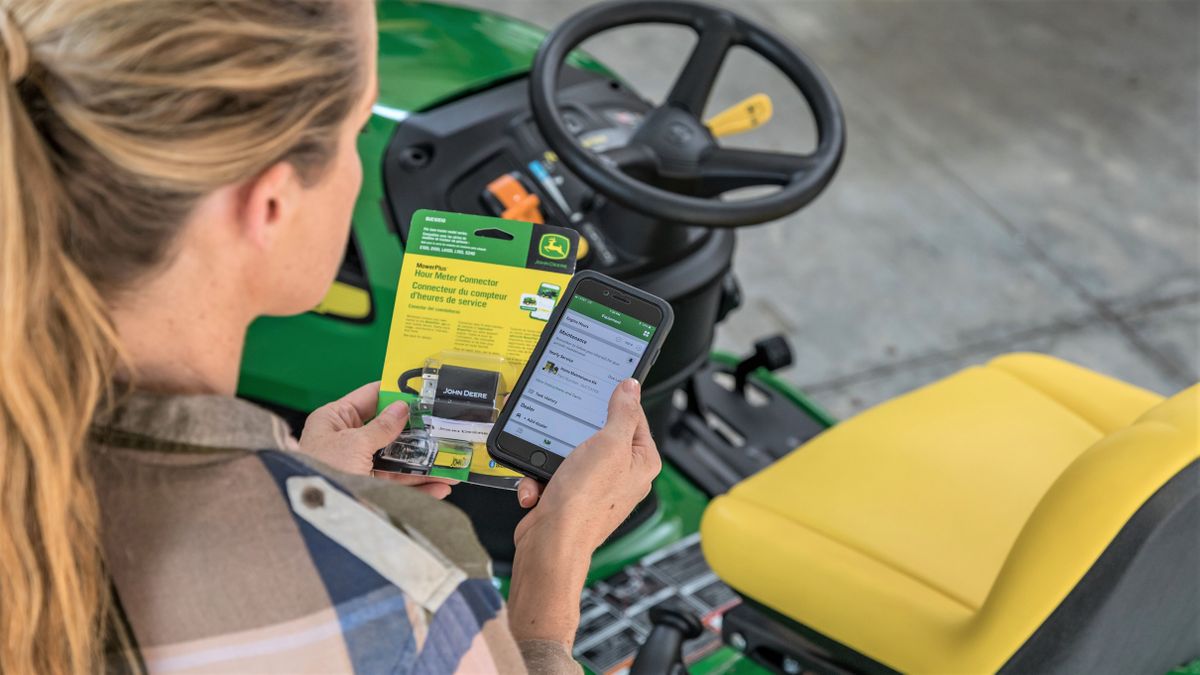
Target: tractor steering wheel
{"points": [[672, 142]]}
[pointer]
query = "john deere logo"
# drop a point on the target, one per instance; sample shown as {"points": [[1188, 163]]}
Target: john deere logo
{"points": [[554, 246]]}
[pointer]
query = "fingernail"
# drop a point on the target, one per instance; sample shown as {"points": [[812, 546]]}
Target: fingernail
{"points": [[397, 409], [523, 497], [633, 387]]}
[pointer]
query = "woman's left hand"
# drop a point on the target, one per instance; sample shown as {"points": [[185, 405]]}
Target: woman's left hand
{"points": [[343, 435]]}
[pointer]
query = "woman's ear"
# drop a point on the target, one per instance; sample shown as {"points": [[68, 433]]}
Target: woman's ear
{"points": [[268, 204]]}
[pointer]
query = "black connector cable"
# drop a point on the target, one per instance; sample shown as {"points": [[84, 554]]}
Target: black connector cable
{"points": [[407, 375]]}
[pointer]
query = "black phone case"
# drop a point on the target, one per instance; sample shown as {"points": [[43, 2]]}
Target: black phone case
{"points": [[643, 368]]}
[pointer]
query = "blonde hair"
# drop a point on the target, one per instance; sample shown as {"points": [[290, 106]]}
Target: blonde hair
{"points": [[116, 117]]}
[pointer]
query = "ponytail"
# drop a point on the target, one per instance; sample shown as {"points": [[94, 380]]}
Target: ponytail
{"points": [[56, 354], [116, 118]]}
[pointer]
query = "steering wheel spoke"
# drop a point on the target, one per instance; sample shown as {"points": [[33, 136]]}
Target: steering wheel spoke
{"points": [[717, 34], [725, 169], [634, 157]]}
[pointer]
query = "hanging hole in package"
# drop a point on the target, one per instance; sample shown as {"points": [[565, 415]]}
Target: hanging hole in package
{"points": [[473, 297]]}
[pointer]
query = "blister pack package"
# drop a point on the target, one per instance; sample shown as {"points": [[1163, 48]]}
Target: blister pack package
{"points": [[473, 296]]}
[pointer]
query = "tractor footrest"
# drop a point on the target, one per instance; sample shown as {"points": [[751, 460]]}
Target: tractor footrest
{"points": [[727, 432]]}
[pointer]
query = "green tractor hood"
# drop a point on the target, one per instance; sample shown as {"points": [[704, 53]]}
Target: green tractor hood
{"points": [[430, 53]]}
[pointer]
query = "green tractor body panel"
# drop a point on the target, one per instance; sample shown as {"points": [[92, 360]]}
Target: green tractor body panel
{"points": [[430, 53]]}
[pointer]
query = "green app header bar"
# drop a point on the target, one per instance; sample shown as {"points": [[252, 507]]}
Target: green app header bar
{"points": [[611, 317]]}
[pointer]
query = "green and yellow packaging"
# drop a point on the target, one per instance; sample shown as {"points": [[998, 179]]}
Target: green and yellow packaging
{"points": [[472, 290]]}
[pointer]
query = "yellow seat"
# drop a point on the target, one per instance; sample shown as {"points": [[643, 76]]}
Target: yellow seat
{"points": [[938, 532]]}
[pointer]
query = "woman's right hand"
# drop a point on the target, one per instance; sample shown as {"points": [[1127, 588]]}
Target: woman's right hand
{"points": [[592, 492], [599, 483]]}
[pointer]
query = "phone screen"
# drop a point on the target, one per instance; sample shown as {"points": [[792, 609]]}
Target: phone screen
{"points": [[593, 348]]}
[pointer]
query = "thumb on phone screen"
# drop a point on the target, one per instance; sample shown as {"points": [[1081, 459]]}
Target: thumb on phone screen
{"points": [[601, 481], [624, 411]]}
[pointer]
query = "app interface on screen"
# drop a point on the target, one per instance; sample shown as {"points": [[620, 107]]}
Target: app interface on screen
{"points": [[565, 401]]}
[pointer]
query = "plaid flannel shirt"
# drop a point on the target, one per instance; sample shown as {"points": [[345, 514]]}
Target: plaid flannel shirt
{"points": [[230, 552]]}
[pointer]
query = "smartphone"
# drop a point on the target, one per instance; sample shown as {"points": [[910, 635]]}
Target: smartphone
{"points": [[601, 332]]}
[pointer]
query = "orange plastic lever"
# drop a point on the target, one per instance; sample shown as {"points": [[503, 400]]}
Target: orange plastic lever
{"points": [[518, 203]]}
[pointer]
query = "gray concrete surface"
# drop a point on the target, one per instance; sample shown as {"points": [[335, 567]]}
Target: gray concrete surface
{"points": [[1019, 176]]}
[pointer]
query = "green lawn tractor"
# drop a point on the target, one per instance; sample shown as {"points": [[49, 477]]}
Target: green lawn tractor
{"points": [[1023, 516]]}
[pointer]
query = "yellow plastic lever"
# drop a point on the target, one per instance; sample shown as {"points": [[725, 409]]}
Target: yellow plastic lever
{"points": [[747, 114], [346, 302]]}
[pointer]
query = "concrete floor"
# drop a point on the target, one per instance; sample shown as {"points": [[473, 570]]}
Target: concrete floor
{"points": [[1019, 176]]}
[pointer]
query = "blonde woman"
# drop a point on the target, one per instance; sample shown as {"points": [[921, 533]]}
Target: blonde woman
{"points": [[170, 170]]}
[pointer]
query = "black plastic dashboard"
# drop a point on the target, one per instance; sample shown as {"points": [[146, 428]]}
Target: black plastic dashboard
{"points": [[446, 157]]}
